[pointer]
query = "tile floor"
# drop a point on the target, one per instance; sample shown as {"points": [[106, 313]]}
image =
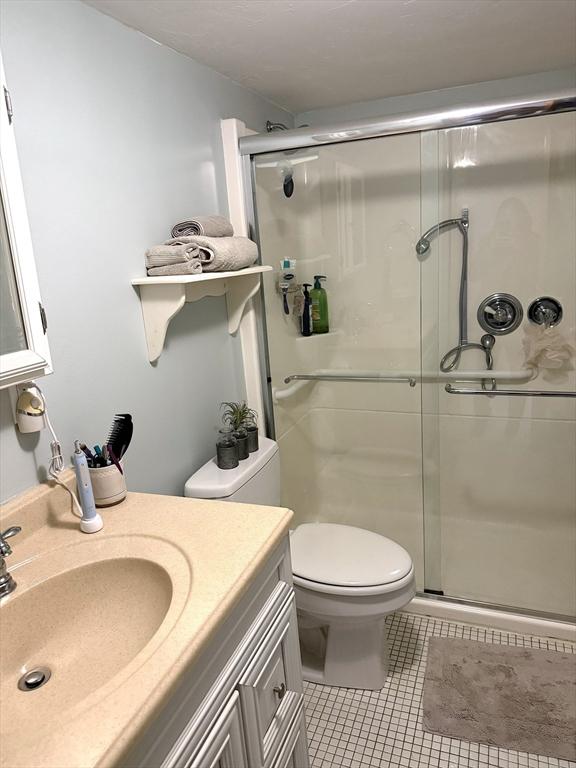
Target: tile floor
{"points": [[370, 729]]}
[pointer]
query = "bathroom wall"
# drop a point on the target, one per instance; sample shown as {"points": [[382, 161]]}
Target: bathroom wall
{"points": [[540, 82], [118, 138]]}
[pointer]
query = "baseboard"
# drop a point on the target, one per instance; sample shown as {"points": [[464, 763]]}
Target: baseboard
{"points": [[496, 619]]}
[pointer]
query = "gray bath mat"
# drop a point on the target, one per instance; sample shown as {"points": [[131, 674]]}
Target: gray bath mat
{"points": [[507, 696]]}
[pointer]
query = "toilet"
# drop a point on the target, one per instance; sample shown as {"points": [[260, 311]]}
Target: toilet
{"points": [[346, 579]]}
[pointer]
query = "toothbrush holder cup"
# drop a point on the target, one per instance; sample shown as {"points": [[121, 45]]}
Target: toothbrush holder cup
{"points": [[108, 485]]}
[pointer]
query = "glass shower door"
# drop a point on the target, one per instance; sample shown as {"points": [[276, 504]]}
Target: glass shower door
{"points": [[480, 490], [500, 472], [351, 451]]}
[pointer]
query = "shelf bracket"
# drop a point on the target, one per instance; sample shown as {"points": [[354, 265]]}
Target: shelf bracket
{"points": [[163, 297], [159, 305], [238, 294]]}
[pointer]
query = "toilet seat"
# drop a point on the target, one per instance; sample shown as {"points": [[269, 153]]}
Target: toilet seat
{"points": [[344, 560], [336, 589]]}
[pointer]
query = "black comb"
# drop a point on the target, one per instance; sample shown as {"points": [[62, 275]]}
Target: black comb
{"points": [[120, 434]]}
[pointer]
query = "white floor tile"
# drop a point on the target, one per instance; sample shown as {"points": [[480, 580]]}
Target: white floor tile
{"points": [[376, 729]]}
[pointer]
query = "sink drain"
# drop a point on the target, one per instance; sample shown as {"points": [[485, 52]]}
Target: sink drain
{"points": [[34, 679]]}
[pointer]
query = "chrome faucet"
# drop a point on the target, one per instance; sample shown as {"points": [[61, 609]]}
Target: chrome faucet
{"points": [[7, 583]]}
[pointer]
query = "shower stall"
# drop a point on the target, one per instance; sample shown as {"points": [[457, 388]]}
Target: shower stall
{"points": [[434, 240]]}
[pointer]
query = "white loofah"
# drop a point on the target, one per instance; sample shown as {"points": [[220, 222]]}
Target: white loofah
{"points": [[546, 347]]}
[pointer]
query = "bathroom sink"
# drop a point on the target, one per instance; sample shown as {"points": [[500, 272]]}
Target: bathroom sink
{"points": [[87, 618]]}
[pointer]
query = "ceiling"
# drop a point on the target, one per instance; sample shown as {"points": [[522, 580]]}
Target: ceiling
{"points": [[305, 54]]}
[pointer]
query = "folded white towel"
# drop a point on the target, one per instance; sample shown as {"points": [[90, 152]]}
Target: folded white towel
{"points": [[190, 267], [221, 254], [162, 255], [209, 226]]}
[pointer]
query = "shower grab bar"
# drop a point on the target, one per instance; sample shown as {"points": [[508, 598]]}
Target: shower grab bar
{"points": [[326, 375], [348, 377], [299, 381], [509, 392]]}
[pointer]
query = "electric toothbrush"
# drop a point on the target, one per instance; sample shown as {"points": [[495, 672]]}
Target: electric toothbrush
{"points": [[91, 521]]}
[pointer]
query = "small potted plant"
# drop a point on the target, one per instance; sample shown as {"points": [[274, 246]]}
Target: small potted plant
{"points": [[243, 421]]}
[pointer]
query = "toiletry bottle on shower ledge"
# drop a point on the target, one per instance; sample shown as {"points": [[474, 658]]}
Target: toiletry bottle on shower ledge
{"points": [[306, 325], [319, 300]]}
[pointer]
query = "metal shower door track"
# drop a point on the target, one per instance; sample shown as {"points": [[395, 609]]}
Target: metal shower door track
{"points": [[411, 122]]}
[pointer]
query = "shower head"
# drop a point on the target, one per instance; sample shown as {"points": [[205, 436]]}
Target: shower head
{"points": [[422, 246], [488, 341], [288, 184], [287, 167]]}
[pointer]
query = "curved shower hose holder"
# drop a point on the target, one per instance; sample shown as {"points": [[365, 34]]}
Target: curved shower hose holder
{"points": [[451, 359]]}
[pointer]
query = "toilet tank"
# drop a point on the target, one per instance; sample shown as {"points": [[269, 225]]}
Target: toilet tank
{"points": [[256, 480]]}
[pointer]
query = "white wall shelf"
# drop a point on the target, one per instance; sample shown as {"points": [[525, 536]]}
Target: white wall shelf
{"points": [[162, 298]]}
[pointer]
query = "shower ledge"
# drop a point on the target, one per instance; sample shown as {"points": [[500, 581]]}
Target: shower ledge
{"points": [[161, 298]]}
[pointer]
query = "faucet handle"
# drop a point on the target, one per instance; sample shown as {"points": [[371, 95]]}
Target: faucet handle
{"points": [[7, 534]]}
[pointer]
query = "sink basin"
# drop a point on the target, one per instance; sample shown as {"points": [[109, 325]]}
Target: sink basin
{"points": [[87, 613]]}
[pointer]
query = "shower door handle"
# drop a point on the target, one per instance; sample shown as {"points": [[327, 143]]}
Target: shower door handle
{"points": [[509, 392], [351, 377]]}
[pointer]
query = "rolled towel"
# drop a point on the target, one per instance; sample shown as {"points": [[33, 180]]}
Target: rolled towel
{"points": [[162, 255], [208, 226], [221, 254], [191, 267]]}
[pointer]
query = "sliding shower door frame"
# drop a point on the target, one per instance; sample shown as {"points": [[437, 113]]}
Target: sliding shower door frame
{"points": [[410, 122], [249, 178], [488, 112]]}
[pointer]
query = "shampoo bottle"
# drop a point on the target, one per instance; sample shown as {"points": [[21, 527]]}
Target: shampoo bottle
{"points": [[319, 300]]}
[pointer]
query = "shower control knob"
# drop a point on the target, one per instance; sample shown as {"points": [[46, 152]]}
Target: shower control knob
{"points": [[499, 314], [545, 311]]}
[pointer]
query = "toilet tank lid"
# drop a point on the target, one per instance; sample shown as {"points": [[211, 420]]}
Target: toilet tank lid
{"points": [[211, 482], [346, 556]]}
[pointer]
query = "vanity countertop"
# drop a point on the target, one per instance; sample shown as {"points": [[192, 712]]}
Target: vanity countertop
{"points": [[208, 553]]}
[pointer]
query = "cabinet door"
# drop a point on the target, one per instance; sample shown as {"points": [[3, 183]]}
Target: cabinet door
{"points": [[223, 747], [271, 689], [294, 751]]}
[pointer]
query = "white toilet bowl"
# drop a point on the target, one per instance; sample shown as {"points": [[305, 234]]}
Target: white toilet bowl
{"points": [[347, 580]]}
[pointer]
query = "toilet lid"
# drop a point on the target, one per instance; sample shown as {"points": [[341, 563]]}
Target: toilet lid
{"points": [[346, 556]]}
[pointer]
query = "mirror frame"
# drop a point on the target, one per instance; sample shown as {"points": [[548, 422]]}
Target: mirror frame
{"points": [[35, 361]]}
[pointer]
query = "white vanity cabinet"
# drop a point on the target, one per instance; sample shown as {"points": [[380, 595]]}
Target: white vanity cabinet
{"points": [[241, 704], [223, 747]]}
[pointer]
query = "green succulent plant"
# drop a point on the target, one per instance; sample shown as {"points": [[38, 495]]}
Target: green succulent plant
{"points": [[237, 415]]}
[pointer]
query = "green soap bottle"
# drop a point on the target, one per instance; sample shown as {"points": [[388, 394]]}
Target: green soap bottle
{"points": [[319, 300]]}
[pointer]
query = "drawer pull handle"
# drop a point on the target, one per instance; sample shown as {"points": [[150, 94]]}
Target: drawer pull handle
{"points": [[280, 691]]}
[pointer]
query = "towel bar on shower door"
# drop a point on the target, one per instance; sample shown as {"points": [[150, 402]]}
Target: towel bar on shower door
{"points": [[509, 392], [347, 377]]}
